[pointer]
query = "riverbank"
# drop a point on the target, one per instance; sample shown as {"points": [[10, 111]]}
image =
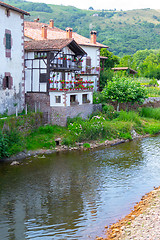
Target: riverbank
{"points": [[142, 223], [62, 148], [101, 129], [79, 147]]}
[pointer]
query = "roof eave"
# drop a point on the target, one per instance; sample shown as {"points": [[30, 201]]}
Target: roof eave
{"points": [[13, 8]]}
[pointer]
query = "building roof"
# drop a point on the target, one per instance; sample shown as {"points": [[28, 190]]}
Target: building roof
{"points": [[103, 58], [53, 44], [33, 30], [13, 8], [132, 71]]}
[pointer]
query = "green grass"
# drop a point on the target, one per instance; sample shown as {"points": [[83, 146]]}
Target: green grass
{"points": [[149, 112], [97, 127], [153, 92]]}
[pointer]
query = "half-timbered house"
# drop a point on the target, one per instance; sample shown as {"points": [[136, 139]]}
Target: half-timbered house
{"points": [[89, 69], [52, 66]]}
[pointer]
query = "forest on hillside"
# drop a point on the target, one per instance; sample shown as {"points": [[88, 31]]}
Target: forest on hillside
{"points": [[125, 32]]}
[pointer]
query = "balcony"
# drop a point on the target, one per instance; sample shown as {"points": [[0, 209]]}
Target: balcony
{"points": [[86, 70], [65, 63], [72, 85]]}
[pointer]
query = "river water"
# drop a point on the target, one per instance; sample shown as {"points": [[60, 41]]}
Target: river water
{"points": [[73, 195]]}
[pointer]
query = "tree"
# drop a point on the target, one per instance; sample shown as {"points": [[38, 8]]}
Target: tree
{"points": [[112, 59], [90, 8], [124, 90], [105, 75], [127, 61]]}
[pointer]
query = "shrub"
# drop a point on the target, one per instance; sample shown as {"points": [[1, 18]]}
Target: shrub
{"points": [[109, 112], [69, 140], [124, 90], [86, 145], [3, 146], [75, 119]]}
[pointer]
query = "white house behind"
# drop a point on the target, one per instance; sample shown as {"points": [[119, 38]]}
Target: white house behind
{"points": [[12, 92]]}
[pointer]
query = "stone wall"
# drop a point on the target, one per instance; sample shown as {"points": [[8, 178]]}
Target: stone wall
{"points": [[40, 101], [10, 100], [149, 102], [59, 115], [24, 123]]}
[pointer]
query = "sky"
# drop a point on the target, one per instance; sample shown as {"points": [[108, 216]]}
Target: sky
{"points": [[106, 4]]}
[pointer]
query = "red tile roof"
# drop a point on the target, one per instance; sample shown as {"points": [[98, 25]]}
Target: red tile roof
{"points": [[33, 30], [53, 44], [132, 71], [13, 8]]}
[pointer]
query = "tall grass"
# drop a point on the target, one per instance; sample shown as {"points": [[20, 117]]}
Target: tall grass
{"points": [[149, 112], [130, 116]]}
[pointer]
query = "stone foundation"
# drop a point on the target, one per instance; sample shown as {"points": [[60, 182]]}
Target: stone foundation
{"points": [[59, 115], [10, 100]]}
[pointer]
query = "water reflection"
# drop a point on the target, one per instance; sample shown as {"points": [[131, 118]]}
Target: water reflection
{"points": [[74, 195]]}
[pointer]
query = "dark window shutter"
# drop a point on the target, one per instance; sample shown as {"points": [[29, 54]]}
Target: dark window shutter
{"points": [[88, 61], [43, 78], [88, 65], [8, 41], [4, 83], [10, 83]]}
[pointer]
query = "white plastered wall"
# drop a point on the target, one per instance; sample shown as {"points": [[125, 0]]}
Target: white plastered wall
{"points": [[13, 65]]}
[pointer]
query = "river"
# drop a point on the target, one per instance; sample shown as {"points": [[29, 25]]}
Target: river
{"points": [[73, 195]]}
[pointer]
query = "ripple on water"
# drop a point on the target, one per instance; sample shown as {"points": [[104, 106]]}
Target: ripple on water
{"points": [[73, 196]]}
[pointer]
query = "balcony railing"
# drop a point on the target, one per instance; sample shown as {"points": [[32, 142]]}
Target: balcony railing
{"points": [[66, 62], [89, 70], [71, 85]]}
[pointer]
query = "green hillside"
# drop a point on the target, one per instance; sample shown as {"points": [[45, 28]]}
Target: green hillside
{"points": [[125, 32]]}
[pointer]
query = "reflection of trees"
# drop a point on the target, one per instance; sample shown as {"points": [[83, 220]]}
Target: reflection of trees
{"points": [[59, 191], [50, 192], [124, 156]]}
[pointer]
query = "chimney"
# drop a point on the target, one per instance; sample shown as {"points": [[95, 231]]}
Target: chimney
{"points": [[51, 23], [69, 32], [36, 20], [93, 37], [44, 32]]}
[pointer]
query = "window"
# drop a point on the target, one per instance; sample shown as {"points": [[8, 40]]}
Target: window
{"points": [[43, 78], [73, 100], [84, 98], [7, 12], [8, 41], [7, 82], [58, 99]]}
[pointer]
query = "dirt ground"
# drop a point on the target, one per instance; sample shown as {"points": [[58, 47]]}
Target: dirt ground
{"points": [[142, 223]]}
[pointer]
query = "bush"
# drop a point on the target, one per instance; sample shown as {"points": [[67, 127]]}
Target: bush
{"points": [[86, 145], [75, 119], [68, 141], [98, 98], [109, 112], [3, 145], [124, 90]]}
